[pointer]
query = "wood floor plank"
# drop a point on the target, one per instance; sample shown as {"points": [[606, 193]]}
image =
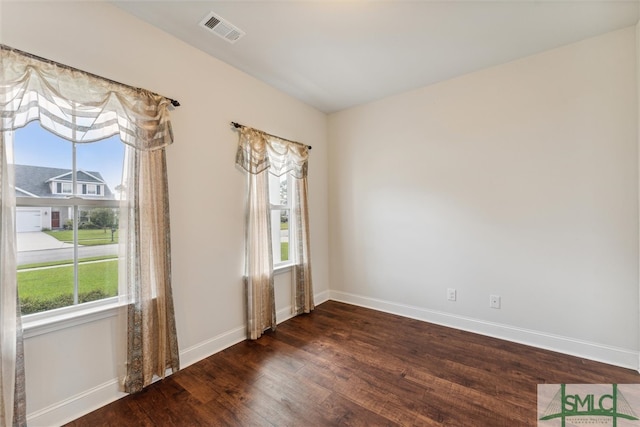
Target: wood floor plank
{"points": [[344, 412], [344, 365]]}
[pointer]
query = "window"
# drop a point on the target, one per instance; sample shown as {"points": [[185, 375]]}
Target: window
{"points": [[67, 243], [141, 118], [271, 239], [63, 187], [280, 200], [90, 189]]}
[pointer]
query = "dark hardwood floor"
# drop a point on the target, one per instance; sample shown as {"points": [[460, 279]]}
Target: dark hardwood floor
{"points": [[346, 365]]}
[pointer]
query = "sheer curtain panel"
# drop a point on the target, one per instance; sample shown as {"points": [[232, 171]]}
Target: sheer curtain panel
{"points": [[83, 108], [77, 106], [12, 391], [259, 154], [303, 298], [152, 339]]}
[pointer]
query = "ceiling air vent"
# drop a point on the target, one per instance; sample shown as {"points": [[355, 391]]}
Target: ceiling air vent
{"points": [[221, 28]]}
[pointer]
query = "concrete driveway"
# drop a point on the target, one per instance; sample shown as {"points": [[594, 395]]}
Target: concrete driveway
{"points": [[37, 241], [36, 247]]}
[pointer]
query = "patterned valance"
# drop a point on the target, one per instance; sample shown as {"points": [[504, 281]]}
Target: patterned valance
{"points": [[259, 151], [79, 106]]}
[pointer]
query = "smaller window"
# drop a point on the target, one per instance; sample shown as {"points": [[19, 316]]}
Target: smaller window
{"points": [[66, 188], [279, 197]]}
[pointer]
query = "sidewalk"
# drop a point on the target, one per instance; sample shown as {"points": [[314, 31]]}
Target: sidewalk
{"points": [[37, 240]]}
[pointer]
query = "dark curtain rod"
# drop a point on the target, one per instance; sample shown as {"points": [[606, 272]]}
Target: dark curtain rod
{"points": [[238, 126], [174, 102]]}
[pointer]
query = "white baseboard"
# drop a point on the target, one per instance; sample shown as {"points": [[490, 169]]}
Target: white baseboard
{"points": [[81, 404], [218, 343], [204, 349], [76, 406], [322, 297], [286, 313], [622, 357]]}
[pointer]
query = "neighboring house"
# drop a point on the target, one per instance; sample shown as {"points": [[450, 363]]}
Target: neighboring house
{"points": [[44, 182]]}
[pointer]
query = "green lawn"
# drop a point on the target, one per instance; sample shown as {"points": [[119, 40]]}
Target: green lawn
{"points": [[49, 288], [86, 237], [66, 262]]}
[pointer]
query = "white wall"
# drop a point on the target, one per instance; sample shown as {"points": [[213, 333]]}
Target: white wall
{"points": [[519, 180], [72, 371]]}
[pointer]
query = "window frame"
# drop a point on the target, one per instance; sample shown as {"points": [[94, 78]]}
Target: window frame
{"points": [[78, 313], [60, 187], [88, 187], [66, 317]]}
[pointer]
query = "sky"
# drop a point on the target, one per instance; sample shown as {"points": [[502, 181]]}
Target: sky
{"points": [[36, 146]]}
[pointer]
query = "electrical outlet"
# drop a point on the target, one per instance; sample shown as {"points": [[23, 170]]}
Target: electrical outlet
{"points": [[494, 301], [451, 294]]}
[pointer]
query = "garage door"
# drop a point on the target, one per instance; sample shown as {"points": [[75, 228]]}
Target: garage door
{"points": [[28, 220]]}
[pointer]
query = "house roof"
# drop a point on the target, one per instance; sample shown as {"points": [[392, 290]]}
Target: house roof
{"points": [[35, 181], [81, 176]]}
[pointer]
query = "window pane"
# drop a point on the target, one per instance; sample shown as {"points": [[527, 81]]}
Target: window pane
{"points": [[283, 190], [279, 198], [97, 253], [280, 235], [35, 146], [45, 258], [278, 193], [284, 235], [100, 163]]}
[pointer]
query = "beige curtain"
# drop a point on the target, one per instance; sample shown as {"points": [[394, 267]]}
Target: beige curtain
{"points": [[77, 106], [84, 108], [258, 277], [303, 296], [12, 390], [152, 339], [258, 154]]}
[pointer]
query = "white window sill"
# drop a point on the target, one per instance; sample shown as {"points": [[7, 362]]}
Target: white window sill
{"points": [[282, 268], [66, 317]]}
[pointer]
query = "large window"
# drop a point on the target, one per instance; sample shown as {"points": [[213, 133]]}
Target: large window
{"points": [[280, 200], [67, 240]]}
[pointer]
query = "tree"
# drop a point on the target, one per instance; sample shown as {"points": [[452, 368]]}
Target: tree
{"points": [[284, 190], [103, 217], [284, 195]]}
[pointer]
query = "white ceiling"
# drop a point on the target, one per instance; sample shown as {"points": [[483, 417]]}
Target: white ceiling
{"points": [[338, 54]]}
